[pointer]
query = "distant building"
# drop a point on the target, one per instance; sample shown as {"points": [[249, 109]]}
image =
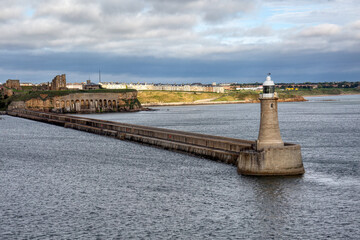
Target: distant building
{"points": [[164, 87], [74, 86], [12, 83], [253, 88], [111, 85], [41, 87], [26, 84], [91, 86]]}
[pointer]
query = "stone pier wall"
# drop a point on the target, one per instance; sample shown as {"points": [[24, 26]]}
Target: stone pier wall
{"points": [[241, 153], [214, 147]]}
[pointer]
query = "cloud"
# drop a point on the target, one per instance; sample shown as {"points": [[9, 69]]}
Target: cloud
{"points": [[159, 28], [323, 30], [9, 13], [323, 38], [355, 25], [208, 10]]}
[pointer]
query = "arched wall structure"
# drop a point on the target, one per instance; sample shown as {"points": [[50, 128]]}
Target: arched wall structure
{"points": [[87, 103]]}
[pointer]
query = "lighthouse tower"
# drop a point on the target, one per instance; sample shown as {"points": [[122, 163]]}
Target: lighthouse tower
{"points": [[269, 133], [270, 155]]}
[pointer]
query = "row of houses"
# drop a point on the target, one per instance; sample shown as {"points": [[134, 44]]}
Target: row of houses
{"points": [[164, 87]]}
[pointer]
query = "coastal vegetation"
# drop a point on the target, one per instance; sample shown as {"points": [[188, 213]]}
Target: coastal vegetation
{"points": [[174, 96], [159, 97], [167, 97], [323, 91]]}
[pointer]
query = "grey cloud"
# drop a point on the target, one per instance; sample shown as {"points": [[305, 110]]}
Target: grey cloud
{"points": [[313, 12], [323, 30], [324, 37], [72, 12], [209, 10], [355, 25], [115, 7], [8, 14]]}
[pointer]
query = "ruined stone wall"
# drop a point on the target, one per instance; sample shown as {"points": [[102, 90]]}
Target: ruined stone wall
{"points": [[13, 84], [86, 102], [59, 82]]}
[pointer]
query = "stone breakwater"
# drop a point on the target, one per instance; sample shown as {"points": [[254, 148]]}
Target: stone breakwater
{"points": [[238, 152]]}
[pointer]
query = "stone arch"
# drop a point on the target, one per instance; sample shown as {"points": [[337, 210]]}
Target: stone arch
{"points": [[57, 104], [91, 103], [77, 105], [100, 103], [72, 107], [62, 104], [96, 103], [67, 103], [105, 103], [87, 104], [82, 102], [109, 104], [114, 104]]}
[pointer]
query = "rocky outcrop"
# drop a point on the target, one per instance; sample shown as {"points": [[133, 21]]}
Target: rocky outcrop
{"points": [[16, 105]]}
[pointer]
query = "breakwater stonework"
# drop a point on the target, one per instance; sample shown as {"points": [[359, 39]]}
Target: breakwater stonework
{"points": [[284, 160], [81, 103]]}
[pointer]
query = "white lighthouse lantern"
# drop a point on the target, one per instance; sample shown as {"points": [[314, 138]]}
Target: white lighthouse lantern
{"points": [[268, 88]]}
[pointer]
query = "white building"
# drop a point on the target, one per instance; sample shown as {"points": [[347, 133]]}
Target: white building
{"points": [[111, 85], [258, 88], [74, 86]]}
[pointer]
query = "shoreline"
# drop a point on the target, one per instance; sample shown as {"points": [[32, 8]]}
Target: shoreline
{"points": [[330, 95], [216, 103]]}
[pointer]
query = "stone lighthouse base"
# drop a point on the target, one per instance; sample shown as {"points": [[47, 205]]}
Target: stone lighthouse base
{"points": [[284, 160]]}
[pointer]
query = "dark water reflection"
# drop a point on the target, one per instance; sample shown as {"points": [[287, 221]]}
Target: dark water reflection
{"points": [[60, 183]]}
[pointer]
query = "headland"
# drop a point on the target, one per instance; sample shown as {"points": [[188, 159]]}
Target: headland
{"points": [[177, 98]]}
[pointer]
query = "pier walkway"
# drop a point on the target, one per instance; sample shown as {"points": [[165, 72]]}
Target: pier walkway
{"points": [[218, 148]]}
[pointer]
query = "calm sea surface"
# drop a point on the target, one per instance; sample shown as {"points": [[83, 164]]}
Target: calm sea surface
{"points": [[58, 183]]}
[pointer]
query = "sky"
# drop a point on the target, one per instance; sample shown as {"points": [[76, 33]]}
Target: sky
{"points": [[180, 41]]}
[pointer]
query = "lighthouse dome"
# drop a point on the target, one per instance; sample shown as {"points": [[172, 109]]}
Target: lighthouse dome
{"points": [[268, 81]]}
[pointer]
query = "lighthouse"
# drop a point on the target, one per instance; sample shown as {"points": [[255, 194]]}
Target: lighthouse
{"points": [[270, 155], [269, 133]]}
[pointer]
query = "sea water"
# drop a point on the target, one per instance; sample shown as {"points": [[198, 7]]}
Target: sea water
{"points": [[59, 183]]}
